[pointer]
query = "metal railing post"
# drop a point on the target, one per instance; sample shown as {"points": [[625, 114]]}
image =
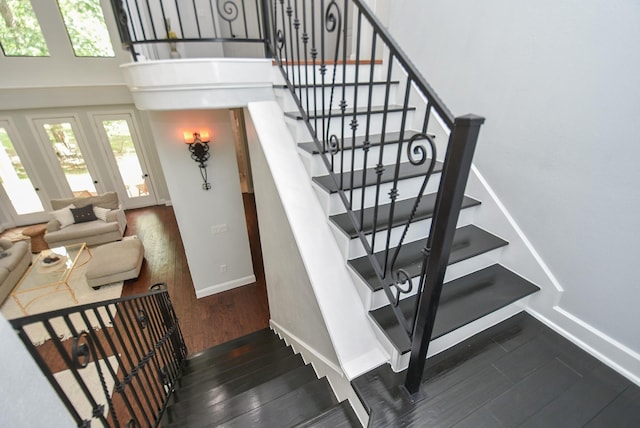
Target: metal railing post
{"points": [[452, 184], [268, 40]]}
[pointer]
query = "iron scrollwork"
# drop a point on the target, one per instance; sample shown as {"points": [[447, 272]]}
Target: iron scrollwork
{"points": [[228, 11], [82, 351]]}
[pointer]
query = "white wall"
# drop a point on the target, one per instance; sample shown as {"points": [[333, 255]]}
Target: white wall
{"points": [[198, 210], [558, 83], [27, 398]]}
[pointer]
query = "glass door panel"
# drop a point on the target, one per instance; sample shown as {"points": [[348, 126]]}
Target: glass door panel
{"points": [[120, 136], [15, 182], [126, 157], [65, 145]]}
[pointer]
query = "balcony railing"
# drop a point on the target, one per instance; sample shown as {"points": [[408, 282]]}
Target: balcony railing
{"points": [[212, 28]]}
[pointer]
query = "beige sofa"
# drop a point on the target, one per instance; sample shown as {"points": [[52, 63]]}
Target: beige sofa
{"points": [[108, 229], [13, 265]]}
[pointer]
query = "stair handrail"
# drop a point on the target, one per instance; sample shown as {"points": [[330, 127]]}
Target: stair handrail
{"points": [[287, 22], [134, 342]]}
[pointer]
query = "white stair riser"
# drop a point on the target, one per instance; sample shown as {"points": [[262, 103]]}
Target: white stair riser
{"points": [[336, 125], [407, 188], [378, 97], [305, 74]]}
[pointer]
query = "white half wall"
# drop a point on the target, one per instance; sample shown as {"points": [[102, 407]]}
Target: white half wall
{"points": [[218, 259], [310, 289], [28, 399], [558, 84]]}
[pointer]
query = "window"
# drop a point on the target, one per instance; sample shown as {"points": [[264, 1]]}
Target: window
{"points": [[87, 30], [20, 33]]}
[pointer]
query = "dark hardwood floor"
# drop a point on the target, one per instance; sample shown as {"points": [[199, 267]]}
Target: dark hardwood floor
{"points": [[211, 320], [518, 373]]}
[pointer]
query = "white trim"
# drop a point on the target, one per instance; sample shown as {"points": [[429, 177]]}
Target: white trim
{"points": [[323, 367], [224, 286], [517, 229], [603, 347], [302, 347]]}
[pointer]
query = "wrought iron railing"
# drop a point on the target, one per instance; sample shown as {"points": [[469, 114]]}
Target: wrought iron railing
{"points": [[114, 362], [154, 28], [334, 51], [374, 120]]}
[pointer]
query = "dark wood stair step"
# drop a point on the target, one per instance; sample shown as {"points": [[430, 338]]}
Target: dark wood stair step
{"points": [[402, 211], [392, 108], [290, 409], [238, 399], [215, 392], [462, 301], [407, 170], [374, 140], [208, 380], [468, 241], [221, 363], [250, 339], [339, 416]]}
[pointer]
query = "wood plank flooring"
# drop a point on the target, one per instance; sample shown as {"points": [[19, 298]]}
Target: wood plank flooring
{"points": [[518, 373], [211, 320]]}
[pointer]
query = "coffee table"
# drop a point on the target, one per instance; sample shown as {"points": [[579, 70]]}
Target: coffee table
{"points": [[41, 280]]}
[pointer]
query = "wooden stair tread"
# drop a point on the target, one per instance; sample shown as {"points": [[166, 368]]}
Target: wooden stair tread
{"points": [[402, 211], [246, 352], [237, 399], [208, 380], [468, 241], [463, 300], [250, 339], [358, 143], [339, 416], [337, 85], [392, 108], [290, 409], [407, 170]]}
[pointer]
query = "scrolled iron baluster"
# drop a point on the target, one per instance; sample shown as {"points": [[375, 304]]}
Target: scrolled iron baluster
{"points": [[422, 152], [332, 23], [401, 277], [280, 40], [334, 144], [142, 319], [82, 350], [228, 11]]}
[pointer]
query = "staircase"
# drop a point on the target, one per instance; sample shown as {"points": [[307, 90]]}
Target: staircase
{"points": [[478, 290], [254, 380]]}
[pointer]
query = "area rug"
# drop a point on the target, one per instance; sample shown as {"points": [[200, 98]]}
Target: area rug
{"points": [[61, 298], [89, 375]]}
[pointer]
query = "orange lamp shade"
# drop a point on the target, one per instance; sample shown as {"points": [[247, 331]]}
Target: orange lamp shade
{"points": [[188, 137]]}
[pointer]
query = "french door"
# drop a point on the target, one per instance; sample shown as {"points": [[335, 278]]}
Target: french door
{"points": [[69, 156], [21, 199], [122, 144]]}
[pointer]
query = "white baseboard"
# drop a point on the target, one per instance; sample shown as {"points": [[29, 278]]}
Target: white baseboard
{"points": [[324, 368], [603, 347], [224, 286]]}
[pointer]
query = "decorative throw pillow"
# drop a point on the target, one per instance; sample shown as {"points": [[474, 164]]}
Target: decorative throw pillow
{"points": [[84, 214], [101, 213], [64, 215]]}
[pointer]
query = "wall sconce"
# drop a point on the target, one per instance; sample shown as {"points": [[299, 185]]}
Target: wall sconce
{"points": [[199, 147]]}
